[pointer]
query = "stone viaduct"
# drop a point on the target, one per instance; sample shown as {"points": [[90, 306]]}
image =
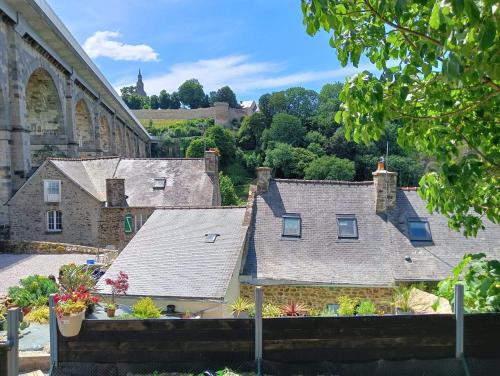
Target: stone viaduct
{"points": [[54, 101]]}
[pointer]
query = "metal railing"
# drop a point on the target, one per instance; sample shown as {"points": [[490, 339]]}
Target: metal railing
{"points": [[9, 350]]}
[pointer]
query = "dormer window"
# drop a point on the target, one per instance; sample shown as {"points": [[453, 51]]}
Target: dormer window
{"points": [[419, 230], [347, 227], [159, 183], [292, 225], [211, 238]]}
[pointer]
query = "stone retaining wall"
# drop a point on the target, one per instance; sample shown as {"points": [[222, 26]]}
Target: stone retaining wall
{"points": [[36, 247], [318, 297]]}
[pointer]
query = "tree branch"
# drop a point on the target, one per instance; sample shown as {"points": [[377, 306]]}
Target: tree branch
{"points": [[403, 29]]}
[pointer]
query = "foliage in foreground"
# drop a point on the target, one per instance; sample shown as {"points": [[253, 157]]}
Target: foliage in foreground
{"points": [[38, 315], [481, 280], [33, 291], [439, 75], [145, 308]]}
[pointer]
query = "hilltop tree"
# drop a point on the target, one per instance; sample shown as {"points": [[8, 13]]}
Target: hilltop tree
{"points": [[191, 93], [250, 133], [438, 64], [225, 94], [284, 128], [295, 101], [154, 102], [131, 98], [164, 100], [330, 168], [175, 101], [224, 141]]}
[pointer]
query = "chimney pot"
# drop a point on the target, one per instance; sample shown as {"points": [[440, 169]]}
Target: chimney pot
{"points": [[385, 184], [212, 161], [263, 177]]}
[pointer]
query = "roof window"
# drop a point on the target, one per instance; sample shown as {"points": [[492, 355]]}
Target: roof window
{"points": [[347, 227], [159, 183], [419, 230], [292, 224], [210, 238]]}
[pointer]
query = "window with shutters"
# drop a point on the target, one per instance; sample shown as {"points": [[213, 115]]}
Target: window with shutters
{"points": [[54, 221], [52, 190]]}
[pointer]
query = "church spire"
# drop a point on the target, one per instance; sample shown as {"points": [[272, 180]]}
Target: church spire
{"points": [[139, 87], [139, 76]]}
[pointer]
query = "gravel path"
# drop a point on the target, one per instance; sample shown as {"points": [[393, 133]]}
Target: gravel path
{"points": [[13, 267]]}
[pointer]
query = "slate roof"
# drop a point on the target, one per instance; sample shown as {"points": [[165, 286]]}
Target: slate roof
{"points": [[376, 258], [169, 257], [433, 260], [187, 183]]}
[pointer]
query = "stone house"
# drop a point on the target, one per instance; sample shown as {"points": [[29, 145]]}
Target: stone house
{"points": [[188, 257], [105, 201], [313, 241]]}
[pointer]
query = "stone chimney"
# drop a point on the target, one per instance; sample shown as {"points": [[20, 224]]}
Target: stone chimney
{"points": [[212, 161], [115, 193], [385, 188], [263, 177]]}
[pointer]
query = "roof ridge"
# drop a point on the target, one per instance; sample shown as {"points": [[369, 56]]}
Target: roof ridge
{"points": [[200, 207], [408, 188], [332, 182], [81, 159]]}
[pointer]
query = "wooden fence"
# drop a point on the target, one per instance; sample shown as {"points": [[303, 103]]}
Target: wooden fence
{"points": [[287, 340]]}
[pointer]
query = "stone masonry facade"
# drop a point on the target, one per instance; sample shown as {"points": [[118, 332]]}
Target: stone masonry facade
{"points": [[318, 297], [46, 110]]}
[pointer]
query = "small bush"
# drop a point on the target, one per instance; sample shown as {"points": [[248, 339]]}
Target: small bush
{"points": [[269, 310], [347, 306], [366, 307], [146, 309], [34, 290], [328, 312], [39, 315]]}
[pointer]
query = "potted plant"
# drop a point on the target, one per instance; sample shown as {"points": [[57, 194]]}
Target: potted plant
{"points": [[347, 306], [119, 286], [240, 307], [401, 300], [70, 312], [366, 308]]}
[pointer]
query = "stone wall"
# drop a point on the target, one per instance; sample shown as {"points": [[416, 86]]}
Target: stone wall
{"points": [[80, 211], [220, 112], [112, 225], [318, 297], [38, 247]]}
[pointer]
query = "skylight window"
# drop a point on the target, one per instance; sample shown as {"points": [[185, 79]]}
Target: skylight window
{"points": [[210, 238], [348, 227], [159, 183], [419, 230], [292, 225]]}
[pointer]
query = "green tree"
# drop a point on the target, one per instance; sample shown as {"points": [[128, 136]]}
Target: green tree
{"points": [[288, 161], [225, 94], [191, 93], [439, 72], [227, 191], [154, 102], [329, 104], [250, 133], [175, 101], [131, 98], [315, 137], [330, 168], [286, 129], [224, 141], [295, 101], [264, 105], [164, 100], [197, 147]]}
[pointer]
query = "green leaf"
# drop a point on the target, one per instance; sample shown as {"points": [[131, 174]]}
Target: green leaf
{"points": [[403, 92], [400, 7], [434, 21], [458, 6], [472, 11], [487, 35], [338, 117]]}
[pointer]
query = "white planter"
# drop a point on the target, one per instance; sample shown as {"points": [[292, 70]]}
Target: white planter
{"points": [[70, 326]]}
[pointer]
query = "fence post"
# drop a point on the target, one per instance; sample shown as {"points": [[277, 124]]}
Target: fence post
{"points": [[13, 340], [459, 316], [259, 293], [53, 331]]}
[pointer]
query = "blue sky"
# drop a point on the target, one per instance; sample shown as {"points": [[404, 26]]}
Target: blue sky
{"points": [[254, 46]]}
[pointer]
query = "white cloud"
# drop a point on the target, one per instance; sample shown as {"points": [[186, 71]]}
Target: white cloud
{"points": [[102, 44], [239, 73]]}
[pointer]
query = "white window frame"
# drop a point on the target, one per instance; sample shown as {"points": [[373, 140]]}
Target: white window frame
{"points": [[162, 181], [138, 223], [53, 221], [51, 197]]}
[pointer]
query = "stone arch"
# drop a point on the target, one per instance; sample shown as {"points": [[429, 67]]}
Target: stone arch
{"points": [[129, 145], [44, 115], [84, 125], [105, 133], [119, 139]]}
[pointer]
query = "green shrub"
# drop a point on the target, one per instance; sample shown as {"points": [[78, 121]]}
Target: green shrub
{"points": [[145, 308], [269, 310], [347, 306], [366, 307], [39, 315], [34, 290], [227, 191], [328, 312]]}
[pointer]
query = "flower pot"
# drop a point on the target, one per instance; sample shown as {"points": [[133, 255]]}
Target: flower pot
{"points": [[110, 311], [70, 325], [25, 310], [240, 315], [399, 311]]}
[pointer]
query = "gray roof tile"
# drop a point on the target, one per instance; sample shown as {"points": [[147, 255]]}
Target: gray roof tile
{"points": [[169, 257]]}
